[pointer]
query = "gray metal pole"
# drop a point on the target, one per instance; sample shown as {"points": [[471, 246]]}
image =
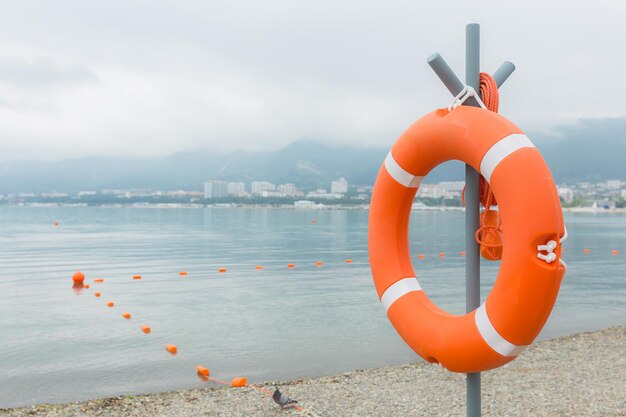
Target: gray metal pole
{"points": [[502, 73], [472, 181], [472, 213]]}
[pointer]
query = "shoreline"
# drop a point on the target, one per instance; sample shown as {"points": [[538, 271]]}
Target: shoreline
{"points": [[356, 206], [577, 375]]}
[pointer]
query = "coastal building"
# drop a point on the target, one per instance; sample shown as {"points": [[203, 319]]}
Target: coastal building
{"points": [[304, 204], [430, 191], [613, 184], [452, 187], [236, 188], [339, 186], [258, 187], [215, 189], [567, 194], [321, 193], [287, 189]]}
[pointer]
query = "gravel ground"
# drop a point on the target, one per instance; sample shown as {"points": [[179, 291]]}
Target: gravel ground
{"points": [[580, 375]]}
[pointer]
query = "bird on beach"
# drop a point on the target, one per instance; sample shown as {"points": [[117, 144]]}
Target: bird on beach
{"points": [[282, 400]]}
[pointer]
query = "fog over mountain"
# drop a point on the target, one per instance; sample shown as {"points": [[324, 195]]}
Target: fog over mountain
{"points": [[592, 149]]}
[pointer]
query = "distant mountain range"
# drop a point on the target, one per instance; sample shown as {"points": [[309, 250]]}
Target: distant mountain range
{"points": [[593, 150]]}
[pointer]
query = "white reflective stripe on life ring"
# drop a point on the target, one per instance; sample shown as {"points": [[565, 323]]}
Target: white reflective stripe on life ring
{"points": [[399, 174], [491, 336], [398, 289], [500, 150]]}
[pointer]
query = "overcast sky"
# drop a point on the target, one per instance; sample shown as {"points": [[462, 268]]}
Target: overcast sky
{"points": [[152, 77]]}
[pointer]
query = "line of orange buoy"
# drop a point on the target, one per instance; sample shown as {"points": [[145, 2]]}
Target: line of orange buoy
{"points": [[136, 276], [98, 280], [202, 372], [182, 273], [221, 270], [259, 267], [348, 261], [291, 265], [614, 252]]}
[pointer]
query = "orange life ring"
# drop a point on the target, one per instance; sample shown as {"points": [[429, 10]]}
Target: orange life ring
{"points": [[531, 272]]}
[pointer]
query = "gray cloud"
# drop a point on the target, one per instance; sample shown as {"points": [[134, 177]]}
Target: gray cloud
{"points": [[151, 78], [41, 72]]}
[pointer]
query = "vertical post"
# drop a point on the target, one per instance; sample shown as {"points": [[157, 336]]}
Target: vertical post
{"points": [[472, 213]]}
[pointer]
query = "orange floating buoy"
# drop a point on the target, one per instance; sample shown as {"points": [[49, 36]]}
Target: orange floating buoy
{"points": [[202, 370], [136, 276], [239, 382], [110, 304], [586, 251], [259, 267], [614, 252], [98, 280], [348, 261], [146, 329], [291, 265], [171, 349], [87, 286], [221, 270], [126, 315], [319, 263], [97, 294], [442, 254], [462, 253], [78, 277], [182, 273], [421, 256]]}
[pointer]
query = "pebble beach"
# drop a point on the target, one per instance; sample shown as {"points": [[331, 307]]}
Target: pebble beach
{"points": [[578, 375]]}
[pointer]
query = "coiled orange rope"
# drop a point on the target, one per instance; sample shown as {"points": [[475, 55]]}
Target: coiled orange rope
{"points": [[491, 98]]}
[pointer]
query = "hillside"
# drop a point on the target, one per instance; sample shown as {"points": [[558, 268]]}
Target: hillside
{"points": [[592, 150]]}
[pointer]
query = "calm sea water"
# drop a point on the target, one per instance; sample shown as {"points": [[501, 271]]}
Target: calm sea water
{"points": [[60, 344]]}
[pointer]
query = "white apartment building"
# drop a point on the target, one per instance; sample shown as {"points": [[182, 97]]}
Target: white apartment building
{"points": [[339, 186], [567, 194], [258, 187], [287, 189], [613, 184], [236, 188], [215, 189]]}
